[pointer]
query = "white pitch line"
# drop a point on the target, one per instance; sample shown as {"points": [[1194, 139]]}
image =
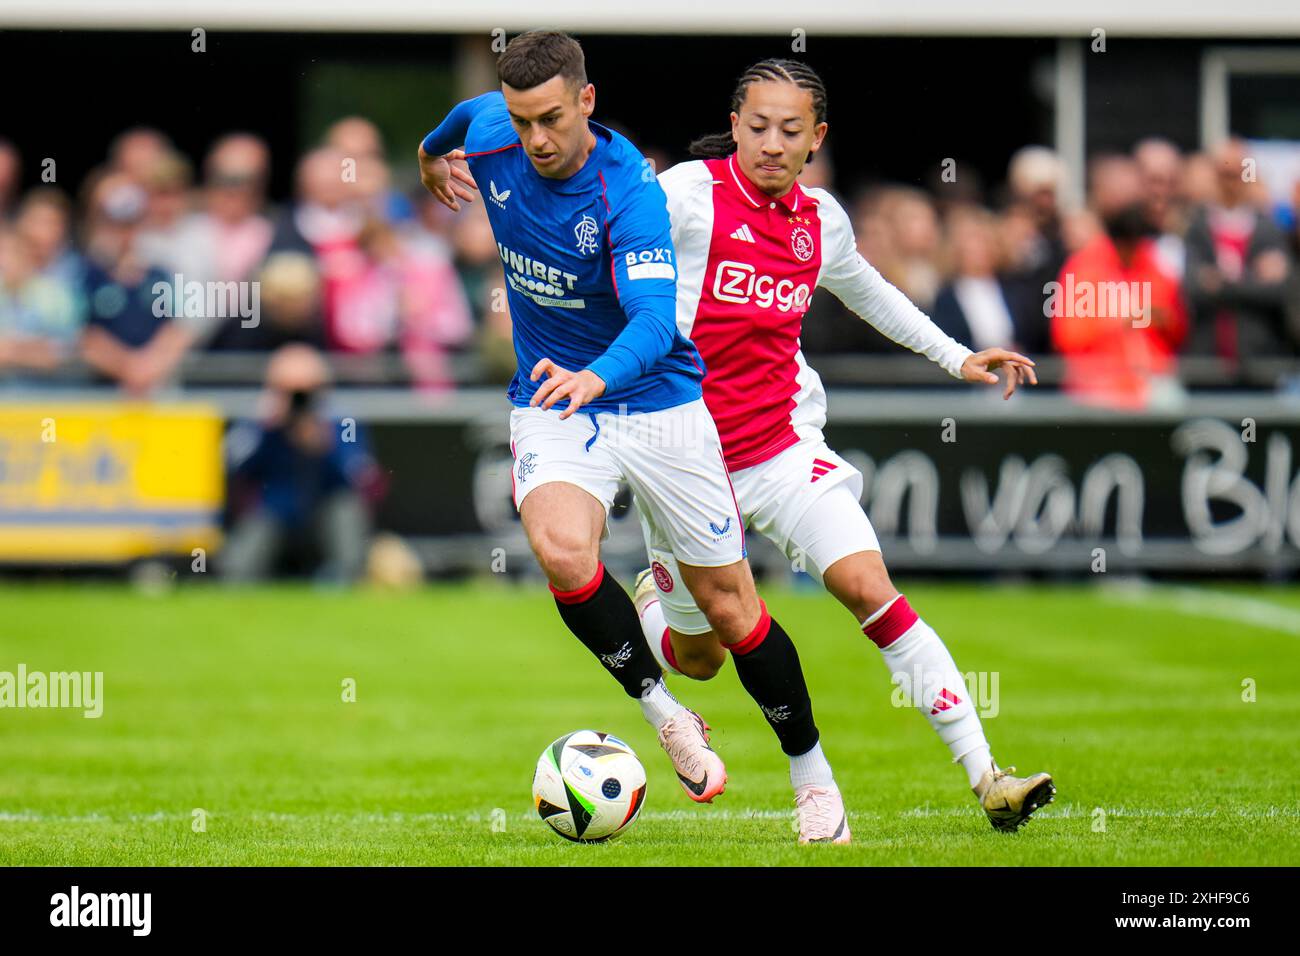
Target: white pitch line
{"points": [[1061, 811], [1221, 605]]}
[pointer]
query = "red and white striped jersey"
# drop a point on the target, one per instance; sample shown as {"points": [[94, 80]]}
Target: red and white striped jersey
{"points": [[747, 267]]}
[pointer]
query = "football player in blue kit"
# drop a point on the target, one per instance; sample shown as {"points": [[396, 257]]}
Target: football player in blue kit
{"points": [[607, 389]]}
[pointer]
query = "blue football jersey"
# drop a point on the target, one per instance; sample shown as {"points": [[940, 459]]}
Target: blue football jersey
{"points": [[590, 270]]}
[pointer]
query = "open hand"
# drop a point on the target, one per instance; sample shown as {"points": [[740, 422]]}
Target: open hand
{"points": [[980, 366], [446, 180]]}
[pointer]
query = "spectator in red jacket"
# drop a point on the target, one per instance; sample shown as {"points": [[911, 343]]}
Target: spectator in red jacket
{"points": [[1117, 313]]}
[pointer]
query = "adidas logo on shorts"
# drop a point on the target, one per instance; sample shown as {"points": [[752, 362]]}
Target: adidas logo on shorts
{"points": [[821, 468]]}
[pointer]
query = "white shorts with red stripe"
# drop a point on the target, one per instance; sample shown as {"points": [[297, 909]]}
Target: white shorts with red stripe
{"points": [[805, 501], [672, 459]]}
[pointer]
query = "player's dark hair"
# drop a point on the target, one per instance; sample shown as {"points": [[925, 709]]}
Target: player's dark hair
{"points": [[786, 71], [532, 58]]}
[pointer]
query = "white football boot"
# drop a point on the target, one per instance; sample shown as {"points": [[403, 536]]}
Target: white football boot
{"points": [[821, 814], [700, 770]]}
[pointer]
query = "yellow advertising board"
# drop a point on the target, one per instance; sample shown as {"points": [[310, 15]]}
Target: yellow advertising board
{"points": [[108, 482]]}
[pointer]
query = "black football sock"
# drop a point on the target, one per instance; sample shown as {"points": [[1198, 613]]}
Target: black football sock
{"points": [[603, 617], [768, 667]]}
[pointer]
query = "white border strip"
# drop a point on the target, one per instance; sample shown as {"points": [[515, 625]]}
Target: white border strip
{"points": [[1210, 18]]}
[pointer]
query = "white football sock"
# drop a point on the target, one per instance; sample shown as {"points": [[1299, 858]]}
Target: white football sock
{"points": [[811, 767], [928, 676], [976, 763], [653, 626], [659, 705]]}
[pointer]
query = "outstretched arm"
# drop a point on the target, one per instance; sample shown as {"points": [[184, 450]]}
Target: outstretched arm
{"points": [[450, 133]]}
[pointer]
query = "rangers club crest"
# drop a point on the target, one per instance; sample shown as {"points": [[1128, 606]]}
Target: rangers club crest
{"points": [[617, 659], [585, 232], [801, 241]]}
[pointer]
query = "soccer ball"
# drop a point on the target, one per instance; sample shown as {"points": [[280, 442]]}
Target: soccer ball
{"points": [[588, 786]]}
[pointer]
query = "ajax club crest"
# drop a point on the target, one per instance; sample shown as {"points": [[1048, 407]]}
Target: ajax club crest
{"points": [[801, 242]]}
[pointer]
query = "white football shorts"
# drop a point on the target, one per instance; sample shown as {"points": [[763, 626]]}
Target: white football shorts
{"points": [[805, 501], [672, 458]]}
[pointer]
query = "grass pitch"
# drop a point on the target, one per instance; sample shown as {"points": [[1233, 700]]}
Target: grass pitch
{"points": [[231, 703]]}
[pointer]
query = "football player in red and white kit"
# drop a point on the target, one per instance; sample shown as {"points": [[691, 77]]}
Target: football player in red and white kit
{"points": [[752, 246]]}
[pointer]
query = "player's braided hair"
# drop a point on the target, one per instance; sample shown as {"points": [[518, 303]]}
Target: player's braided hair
{"points": [[785, 71]]}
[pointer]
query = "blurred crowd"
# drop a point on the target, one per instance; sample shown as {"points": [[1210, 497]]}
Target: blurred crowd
{"points": [[1171, 255], [152, 259]]}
